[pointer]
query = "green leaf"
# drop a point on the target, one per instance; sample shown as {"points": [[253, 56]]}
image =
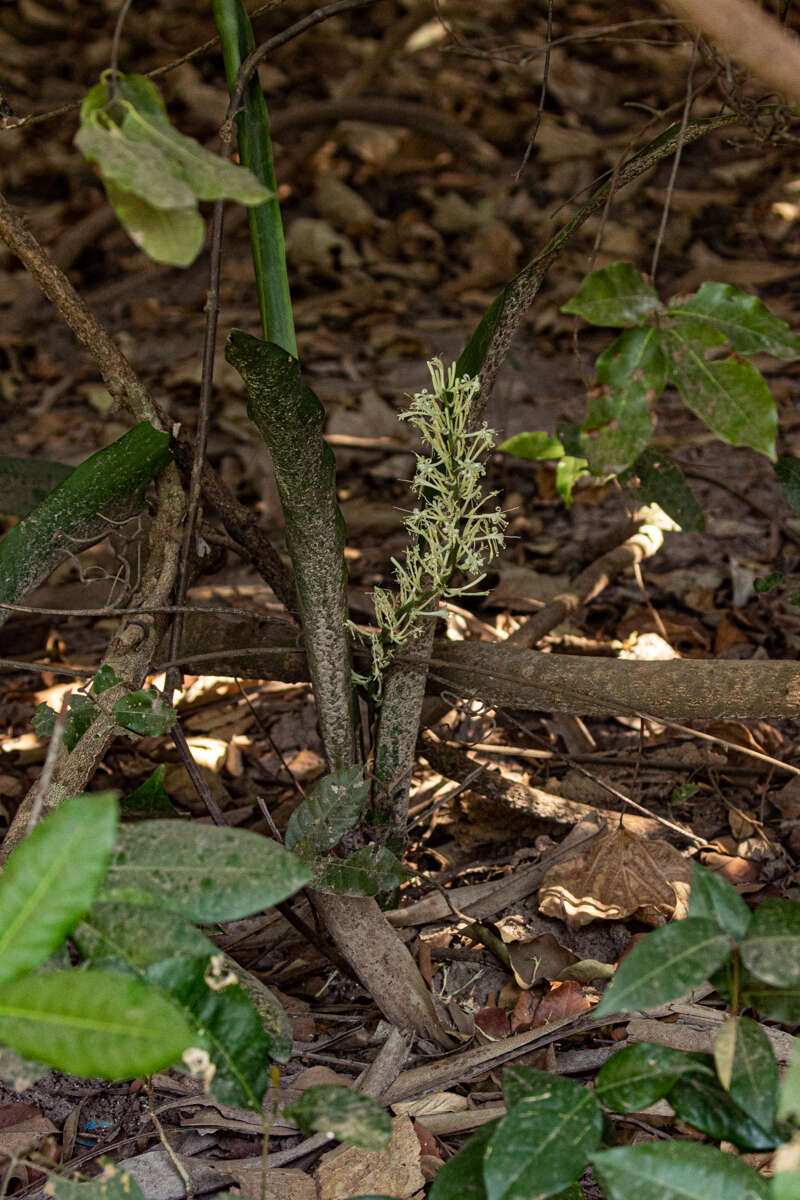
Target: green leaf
{"points": [[544, 1142], [166, 952], [322, 819], [51, 879], [343, 1114], [204, 872], [208, 176], [639, 1075], [568, 472], [777, 1003], [367, 872], [656, 480], [747, 324], [109, 484], [789, 1099], [150, 798], [136, 90], [91, 1023], [461, 1177], [747, 1068], [82, 711], [533, 446], [145, 712], [616, 295], [785, 1185], [676, 1171], [729, 396], [636, 353], [134, 167], [113, 1184], [25, 482], [666, 964], [105, 678], [173, 235], [771, 949], [617, 428], [714, 899], [703, 1102], [787, 468]]}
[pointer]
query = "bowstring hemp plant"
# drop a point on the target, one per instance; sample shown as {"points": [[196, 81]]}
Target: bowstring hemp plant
{"points": [[452, 532]]}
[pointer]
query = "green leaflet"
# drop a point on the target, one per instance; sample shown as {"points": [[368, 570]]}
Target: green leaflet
{"points": [[153, 175]]}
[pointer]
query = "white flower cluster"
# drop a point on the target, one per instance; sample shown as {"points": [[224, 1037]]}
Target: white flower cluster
{"points": [[451, 532]]}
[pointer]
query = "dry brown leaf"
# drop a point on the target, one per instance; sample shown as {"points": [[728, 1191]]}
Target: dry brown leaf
{"points": [[351, 1171], [539, 958], [22, 1129], [283, 1183], [492, 1023], [563, 1000], [619, 875]]}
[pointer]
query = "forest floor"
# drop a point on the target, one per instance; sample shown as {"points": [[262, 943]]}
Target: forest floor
{"points": [[398, 238]]}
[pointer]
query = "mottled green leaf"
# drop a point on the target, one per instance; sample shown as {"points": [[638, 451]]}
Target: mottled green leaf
{"points": [[747, 324], [747, 1068], [367, 872], [713, 898], [730, 396], [639, 1075], [145, 712], [789, 1100], [771, 949], [544, 1142], [617, 427], [676, 1171], [332, 808], [787, 469], [636, 353], [665, 964], [701, 1101], [655, 479], [343, 1114], [616, 295], [204, 872]]}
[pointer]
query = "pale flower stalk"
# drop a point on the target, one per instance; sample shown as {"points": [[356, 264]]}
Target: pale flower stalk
{"points": [[451, 531]]}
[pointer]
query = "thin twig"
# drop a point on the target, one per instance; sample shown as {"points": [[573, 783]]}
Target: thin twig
{"points": [[687, 108], [542, 94]]}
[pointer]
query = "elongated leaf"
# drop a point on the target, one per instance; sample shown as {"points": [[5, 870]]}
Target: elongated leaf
{"points": [[168, 235], [703, 1102], [747, 1068], [616, 295], [789, 1101], [135, 90], [639, 1075], [92, 1023], [568, 472], [637, 353], [204, 872], [166, 952], [367, 872], [333, 807], [667, 963], [656, 480], [771, 949], [113, 1184], [617, 428], [533, 446], [290, 419], [25, 482], [51, 879], [714, 899], [461, 1177], [676, 1171], [255, 151], [134, 167], [546, 1139], [109, 484], [729, 396], [748, 324], [342, 1113]]}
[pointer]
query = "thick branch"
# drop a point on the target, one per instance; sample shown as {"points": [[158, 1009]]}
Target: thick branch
{"points": [[749, 36]]}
